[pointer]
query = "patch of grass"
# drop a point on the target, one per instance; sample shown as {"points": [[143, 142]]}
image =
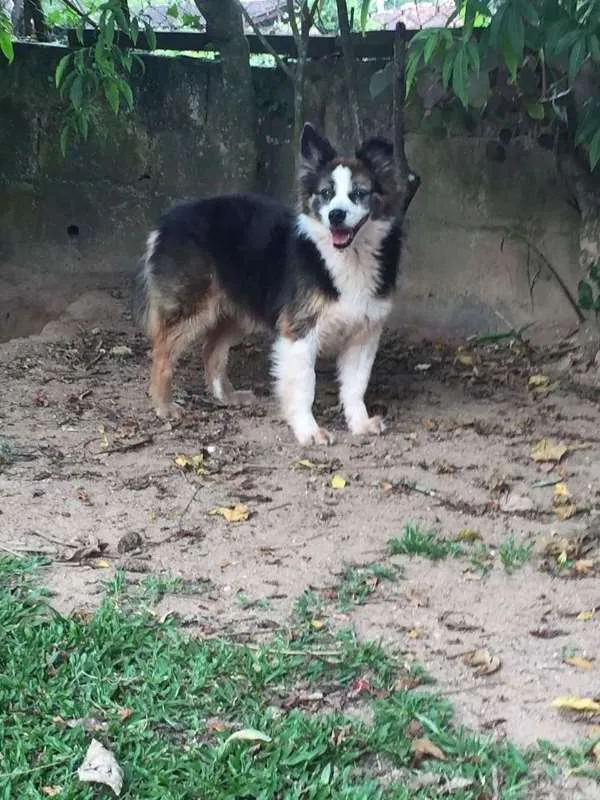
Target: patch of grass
{"points": [[356, 584], [514, 555], [247, 602], [154, 587], [416, 542], [166, 705], [481, 558], [7, 453]]}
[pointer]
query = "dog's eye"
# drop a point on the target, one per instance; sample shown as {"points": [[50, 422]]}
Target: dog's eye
{"points": [[326, 193], [359, 193]]}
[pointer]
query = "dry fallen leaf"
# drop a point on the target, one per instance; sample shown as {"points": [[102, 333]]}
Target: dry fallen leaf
{"points": [[484, 662], [579, 662], [100, 766], [468, 535], [513, 502], [566, 511], [424, 748], [51, 791], [192, 463], [586, 704], [121, 350], [586, 616], [444, 467], [338, 482], [538, 380], [415, 633], [547, 450], [247, 735], [464, 359], [584, 566], [231, 513], [317, 624]]}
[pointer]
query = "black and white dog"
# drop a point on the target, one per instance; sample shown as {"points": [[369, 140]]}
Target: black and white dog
{"points": [[321, 278]]}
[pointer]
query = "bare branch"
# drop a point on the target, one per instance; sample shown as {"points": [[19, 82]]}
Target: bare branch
{"points": [[76, 10]]}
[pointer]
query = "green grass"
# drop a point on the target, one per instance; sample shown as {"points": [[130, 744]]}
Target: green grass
{"points": [[55, 669], [416, 542], [514, 555], [356, 584], [154, 587]]}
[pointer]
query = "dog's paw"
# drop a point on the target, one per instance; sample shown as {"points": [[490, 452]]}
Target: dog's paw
{"points": [[169, 411], [318, 436], [373, 426]]}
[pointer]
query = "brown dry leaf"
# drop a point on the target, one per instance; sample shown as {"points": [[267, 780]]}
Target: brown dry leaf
{"points": [[424, 748], [579, 662], [231, 513], [585, 704], [584, 566], [100, 766], [564, 512], [431, 424], [444, 467], [216, 725], [414, 729], [547, 450], [547, 633], [51, 791], [124, 713], [484, 662], [385, 487], [83, 497], [468, 535]]}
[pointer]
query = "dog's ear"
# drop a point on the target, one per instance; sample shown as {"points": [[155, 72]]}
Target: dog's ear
{"points": [[314, 149], [378, 155]]}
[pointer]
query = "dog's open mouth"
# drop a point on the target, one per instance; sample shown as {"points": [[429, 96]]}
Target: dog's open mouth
{"points": [[342, 236]]}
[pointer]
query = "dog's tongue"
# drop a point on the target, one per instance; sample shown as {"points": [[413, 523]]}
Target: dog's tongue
{"points": [[340, 236]]}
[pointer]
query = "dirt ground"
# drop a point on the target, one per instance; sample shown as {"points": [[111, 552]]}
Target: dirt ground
{"points": [[88, 477]]}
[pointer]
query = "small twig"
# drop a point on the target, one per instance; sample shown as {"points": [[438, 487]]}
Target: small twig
{"points": [[51, 539], [85, 17], [265, 42], [548, 265], [187, 507], [19, 773], [130, 445]]}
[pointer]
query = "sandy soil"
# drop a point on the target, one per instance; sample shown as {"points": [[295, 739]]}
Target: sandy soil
{"points": [[88, 476]]}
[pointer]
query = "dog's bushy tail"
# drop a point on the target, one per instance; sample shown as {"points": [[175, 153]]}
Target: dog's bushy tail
{"points": [[144, 298]]}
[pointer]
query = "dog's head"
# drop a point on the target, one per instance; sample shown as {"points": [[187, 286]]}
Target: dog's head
{"points": [[343, 194]]}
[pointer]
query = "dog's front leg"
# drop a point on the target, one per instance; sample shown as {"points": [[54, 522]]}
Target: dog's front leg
{"points": [[355, 363], [294, 369]]}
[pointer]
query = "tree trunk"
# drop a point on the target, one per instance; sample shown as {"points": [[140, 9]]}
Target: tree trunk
{"points": [[585, 190], [237, 107]]}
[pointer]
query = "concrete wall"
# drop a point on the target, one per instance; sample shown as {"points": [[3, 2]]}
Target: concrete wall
{"points": [[75, 224]]}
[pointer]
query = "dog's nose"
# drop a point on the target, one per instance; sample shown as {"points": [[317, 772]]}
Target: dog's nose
{"points": [[337, 216]]}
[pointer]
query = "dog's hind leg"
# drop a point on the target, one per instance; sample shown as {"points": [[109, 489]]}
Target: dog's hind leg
{"points": [[215, 352], [168, 343]]}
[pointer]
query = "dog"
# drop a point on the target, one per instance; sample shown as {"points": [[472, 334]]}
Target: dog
{"points": [[321, 278]]}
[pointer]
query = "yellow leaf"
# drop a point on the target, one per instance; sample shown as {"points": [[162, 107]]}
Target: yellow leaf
{"points": [[579, 662], [195, 463], [337, 482], [248, 735], [468, 535], [565, 512], [318, 624], [102, 563], [465, 359], [231, 513], [577, 704], [51, 791], [586, 616], [305, 463], [547, 450], [561, 490], [538, 380], [415, 633]]}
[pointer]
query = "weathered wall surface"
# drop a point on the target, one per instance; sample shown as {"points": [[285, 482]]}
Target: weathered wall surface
{"points": [[75, 224]]}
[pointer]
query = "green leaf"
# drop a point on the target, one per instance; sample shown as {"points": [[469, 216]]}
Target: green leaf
{"points": [[594, 47], [474, 57], [576, 58], [60, 69], [84, 126], [411, 70], [127, 93], [6, 46], [76, 93], [585, 295], [595, 274], [595, 150], [515, 32], [173, 11], [447, 67], [364, 13], [111, 90], [429, 48], [460, 77], [134, 30], [150, 37], [109, 31], [536, 110]]}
